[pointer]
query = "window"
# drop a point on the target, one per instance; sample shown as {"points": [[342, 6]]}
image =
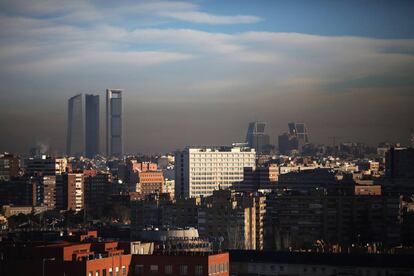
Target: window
{"points": [[97, 273], [183, 269], [168, 269], [90, 273], [139, 270], [123, 270], [117, 271], [104, 272], [110, 272], [153, 269], [281, 268], [198, 270]]}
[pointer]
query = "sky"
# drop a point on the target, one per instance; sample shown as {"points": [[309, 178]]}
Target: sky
{"points": [[197, 72]]}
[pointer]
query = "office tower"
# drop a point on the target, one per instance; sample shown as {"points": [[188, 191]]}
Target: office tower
{"points": [[201, 170], [295, 139], [257, 138], [299, 130], [83, 125], [76, 127], [92, 125], [114, 139]]}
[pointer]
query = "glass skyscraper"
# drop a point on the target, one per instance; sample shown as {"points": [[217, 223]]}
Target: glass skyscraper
{"points": [[92, 125], [83, 126], [75, 144], [257, 138], [114, 137]]}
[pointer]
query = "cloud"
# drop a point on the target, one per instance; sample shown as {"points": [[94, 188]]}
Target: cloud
{"points": [[190, 78], [207, 18]]}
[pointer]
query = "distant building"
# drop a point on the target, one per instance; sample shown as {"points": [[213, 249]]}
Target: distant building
{"points": [[144, 177], [201, 170], [46, 191], [249, 262], [298, 220], [295, 139], [92, 123], [70, 191], [257, 138], [83, 126], [9, 166], [264, 177], [237, 219], [287, 143], [114, 127], [96, 193], [400, 163], [19, 191], [45, 165], [76, 128]]}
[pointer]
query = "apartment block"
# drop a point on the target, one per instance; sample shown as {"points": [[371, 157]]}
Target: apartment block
{"points": [[201, 170]]}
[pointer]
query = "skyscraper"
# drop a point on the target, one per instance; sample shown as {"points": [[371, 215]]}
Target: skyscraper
{"points": [[295, 139], [83, 126], [92, 125], [257, 138], [299, 130], [114, 139], [76, 128]]}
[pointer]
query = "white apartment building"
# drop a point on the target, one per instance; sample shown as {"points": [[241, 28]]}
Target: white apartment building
{"points": [[201, 170]]}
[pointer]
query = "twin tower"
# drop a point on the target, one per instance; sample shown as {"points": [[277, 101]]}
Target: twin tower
{"points": [[83, 134]]}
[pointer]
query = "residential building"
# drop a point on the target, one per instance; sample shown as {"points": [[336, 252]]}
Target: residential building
{"points": [[9, 166], [19, 191], [96, 193], [231, 220], [400, 163], [263, 177], [45, 165], [249, 262], [201, 170], [70, 191], [194, 264], [297, 220]]}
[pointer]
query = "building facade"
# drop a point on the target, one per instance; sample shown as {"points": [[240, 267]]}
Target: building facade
{"points": [[91, 125], [201, 170], [114, 127]]}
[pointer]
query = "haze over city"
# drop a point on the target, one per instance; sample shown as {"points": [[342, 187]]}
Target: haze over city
{"points": [[197, 72]]}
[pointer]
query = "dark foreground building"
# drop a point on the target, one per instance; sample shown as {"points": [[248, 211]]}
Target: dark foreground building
{"points": [[249, 263]]}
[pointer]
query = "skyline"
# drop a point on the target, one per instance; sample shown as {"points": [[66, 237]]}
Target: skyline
{"points": [[193, 70]]}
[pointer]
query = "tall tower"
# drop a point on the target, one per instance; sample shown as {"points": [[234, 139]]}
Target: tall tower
{"points": [[76, 128], [83, 126], [114, 137], [257, 138], [92, 125]]}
